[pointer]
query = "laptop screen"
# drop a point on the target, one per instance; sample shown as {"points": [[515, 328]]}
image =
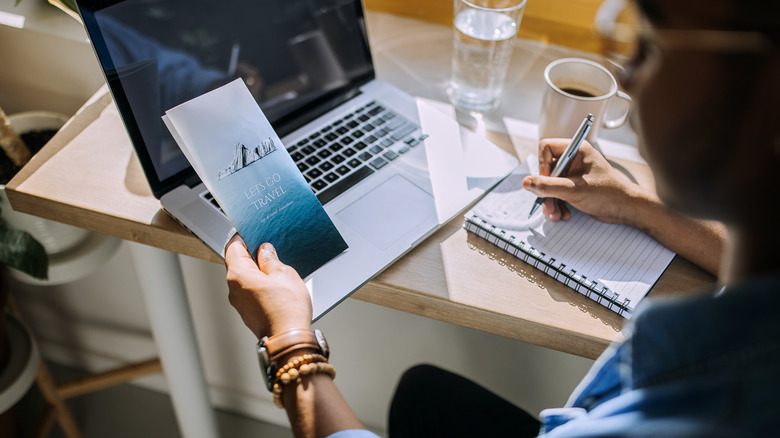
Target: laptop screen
{"points": [[299, 58]]}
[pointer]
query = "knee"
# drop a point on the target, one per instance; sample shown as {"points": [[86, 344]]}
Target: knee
{"points": [[420, 376], [419, 385], [413, 402], [420, 373]]}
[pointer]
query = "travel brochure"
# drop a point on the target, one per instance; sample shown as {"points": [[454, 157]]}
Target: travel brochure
{"points": [[242, 162]]}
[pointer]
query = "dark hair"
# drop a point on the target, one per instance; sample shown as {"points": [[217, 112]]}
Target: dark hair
{"points": [[746, 15]]}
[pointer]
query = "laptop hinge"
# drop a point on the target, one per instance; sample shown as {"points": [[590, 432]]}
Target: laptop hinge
{"points": [[192, 180]]}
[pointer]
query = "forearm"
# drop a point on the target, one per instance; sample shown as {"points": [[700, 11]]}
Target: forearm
{"points": [[314, 405], [316, 408], [701, 242], [276, 306]]}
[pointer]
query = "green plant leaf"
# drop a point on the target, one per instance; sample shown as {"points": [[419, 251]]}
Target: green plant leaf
{"points": [[19, 250], [71, 4]]}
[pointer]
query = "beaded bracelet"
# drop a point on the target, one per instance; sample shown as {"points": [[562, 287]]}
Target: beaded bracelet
{"points": [[297, 367]]}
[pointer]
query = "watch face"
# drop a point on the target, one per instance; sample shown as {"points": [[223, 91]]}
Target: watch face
{"points": [[265, 364], [323, 343]]}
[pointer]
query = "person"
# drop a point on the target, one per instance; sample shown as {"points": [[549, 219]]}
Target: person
{"points": [[705, 81]]}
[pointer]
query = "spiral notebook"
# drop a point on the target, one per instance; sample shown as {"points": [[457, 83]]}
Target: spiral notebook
{"points": [[614, 265]]}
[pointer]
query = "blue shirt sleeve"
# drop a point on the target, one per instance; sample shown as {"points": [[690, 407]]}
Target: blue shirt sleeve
{"points": [[353, 433]]}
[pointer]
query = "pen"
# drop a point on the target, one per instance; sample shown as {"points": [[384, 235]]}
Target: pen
{"points": [[567, 155]]}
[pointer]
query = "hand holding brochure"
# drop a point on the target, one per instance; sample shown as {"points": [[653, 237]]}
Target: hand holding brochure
{"points": [[614, 265], [238, 156]]}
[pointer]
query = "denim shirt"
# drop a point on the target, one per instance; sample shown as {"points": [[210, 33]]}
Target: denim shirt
{"points": [[706, 365]]}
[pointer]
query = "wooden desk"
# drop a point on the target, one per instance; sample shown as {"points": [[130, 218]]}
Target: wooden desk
{"points": [[89, 176]]}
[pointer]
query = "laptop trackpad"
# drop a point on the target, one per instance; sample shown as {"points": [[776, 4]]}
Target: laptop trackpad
{"points": [[389, 212]]}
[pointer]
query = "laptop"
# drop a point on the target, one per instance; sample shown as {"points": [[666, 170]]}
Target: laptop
{"points": [[389, 169]]}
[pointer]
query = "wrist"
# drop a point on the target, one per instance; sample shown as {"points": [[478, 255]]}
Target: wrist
{"points": [[292, 393], [642, 205], [288, 357], [300, 375], [280, 322], [276, 329], [274, 352], [291, 358]]}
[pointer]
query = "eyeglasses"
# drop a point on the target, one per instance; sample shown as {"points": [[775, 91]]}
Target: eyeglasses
{"points": [[626, 36]]}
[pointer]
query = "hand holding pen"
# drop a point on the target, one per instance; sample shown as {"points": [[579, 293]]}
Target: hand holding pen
{"points": [[571, 150]]}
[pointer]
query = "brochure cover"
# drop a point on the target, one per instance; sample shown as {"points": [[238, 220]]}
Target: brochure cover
{"points": [[238, 156]]}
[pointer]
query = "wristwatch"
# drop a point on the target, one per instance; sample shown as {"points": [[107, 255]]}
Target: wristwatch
{"points": [[270, 349]]}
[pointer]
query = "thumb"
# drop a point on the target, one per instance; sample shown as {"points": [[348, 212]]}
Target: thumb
{"points": [[236, 251], [268, 259], [548, 186]]}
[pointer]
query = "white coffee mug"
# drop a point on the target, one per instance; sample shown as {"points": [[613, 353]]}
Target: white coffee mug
{"points": [[576, 87]]}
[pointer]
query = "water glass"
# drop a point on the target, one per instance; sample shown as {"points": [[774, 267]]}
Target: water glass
{"points": [[485, 31]]}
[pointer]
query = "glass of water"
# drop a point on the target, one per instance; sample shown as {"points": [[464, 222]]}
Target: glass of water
{"points": [[485, 31]]}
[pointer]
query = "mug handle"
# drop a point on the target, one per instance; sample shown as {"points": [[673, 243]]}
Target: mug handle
{"points": [[620, 121]]}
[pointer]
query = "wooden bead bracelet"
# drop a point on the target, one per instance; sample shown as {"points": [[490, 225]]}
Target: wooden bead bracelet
{"points": [[296, 368]]}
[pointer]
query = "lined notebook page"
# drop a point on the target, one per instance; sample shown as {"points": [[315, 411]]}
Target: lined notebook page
{"points": [[615, 265]]}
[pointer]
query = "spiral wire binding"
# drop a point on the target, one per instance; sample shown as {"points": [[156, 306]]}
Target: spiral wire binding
{"points": [[527, 253]]}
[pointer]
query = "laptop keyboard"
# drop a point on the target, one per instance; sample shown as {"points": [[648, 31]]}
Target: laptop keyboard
{"points": [[348, 150]]}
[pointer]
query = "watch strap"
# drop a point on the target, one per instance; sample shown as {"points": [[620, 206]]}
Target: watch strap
{"points": [[282, 342], [271, 349], [301, 346]]}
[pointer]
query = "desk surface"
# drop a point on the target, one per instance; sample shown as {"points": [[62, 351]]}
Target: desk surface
{"points": [[89, 176]]}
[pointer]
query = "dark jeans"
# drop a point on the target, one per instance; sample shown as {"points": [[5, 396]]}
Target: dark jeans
{"points": [[430, 402]]}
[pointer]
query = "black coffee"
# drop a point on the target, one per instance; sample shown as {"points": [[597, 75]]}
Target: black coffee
{"points": [[578, 92]]}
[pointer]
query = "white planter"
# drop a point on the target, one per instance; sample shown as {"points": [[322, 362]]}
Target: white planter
{"points": [[73, 252], [55, 237], [19, 374], [34, 120]]}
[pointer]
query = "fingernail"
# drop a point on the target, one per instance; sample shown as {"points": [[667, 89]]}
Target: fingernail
{"points": [[530, 186]]}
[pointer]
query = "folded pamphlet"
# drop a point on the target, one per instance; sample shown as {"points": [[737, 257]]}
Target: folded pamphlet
{"points": [[242, 162]]}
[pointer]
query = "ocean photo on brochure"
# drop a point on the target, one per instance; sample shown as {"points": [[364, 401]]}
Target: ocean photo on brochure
{"points": [[242, 162]]}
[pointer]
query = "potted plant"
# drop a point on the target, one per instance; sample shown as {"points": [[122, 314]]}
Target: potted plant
{"points": [[67, 6], [18, 248]]}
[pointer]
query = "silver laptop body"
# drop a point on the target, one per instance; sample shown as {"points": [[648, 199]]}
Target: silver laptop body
{"points": [[418, 171]]}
